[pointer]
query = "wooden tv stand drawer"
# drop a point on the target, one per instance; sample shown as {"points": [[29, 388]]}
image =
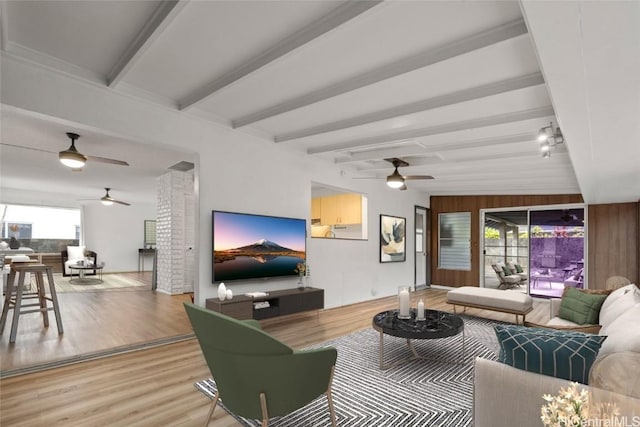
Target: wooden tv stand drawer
{"points": [[282, 302]]}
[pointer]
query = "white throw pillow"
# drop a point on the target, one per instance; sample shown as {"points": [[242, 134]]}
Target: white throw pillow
{"points": [[623, 334], [620, 304], [75, 253]]}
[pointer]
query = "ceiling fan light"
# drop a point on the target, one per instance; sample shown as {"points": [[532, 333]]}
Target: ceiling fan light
{"points": [[72, 159], [395, 180], [106, 202]]}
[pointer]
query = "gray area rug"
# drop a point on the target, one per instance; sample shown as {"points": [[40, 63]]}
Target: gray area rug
{"points": [[419, 393]]}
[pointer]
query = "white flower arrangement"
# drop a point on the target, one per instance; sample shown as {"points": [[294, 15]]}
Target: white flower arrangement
{"points": [[574, 408]]}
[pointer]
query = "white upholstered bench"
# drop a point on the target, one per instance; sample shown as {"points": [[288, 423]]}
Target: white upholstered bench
{"points": [[491, 299]]}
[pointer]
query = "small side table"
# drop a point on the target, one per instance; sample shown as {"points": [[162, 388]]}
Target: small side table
{"points": [[142, 252]]}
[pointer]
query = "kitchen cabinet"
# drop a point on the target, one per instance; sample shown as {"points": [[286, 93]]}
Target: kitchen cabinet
{"points": [[340, 209]]}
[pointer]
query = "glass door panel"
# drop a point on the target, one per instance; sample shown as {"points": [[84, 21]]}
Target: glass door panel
{"points": [[556, 251], [505, 241]]}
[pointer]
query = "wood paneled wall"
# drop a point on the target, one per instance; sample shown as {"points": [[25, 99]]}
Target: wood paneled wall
{"points": [[473, 204], [613, 248]]}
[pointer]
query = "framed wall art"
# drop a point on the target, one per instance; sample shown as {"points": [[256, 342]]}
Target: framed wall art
{"points": [[393, 243]]}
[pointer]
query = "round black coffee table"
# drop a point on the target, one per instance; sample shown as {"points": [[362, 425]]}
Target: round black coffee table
{"points": [[437, 324], [82, 278]]}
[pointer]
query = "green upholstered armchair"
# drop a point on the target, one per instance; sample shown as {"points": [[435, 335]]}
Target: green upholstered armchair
{"points": [[257, 376]]}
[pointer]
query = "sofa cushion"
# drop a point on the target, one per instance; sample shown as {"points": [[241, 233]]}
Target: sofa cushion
{"points": [[75, 253], [618, 303], [518, 269], [581, 307], [606, 292], [612, 372], [623, 333], [507, 271], [560, 354], [615, 294], [559, 321]]}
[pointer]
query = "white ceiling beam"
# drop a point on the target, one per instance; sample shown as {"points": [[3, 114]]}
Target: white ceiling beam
{"points": [[393, 69], [154, 27], [491, 89], [421, 149], [329, 22], [436, 130], [446, 165]]}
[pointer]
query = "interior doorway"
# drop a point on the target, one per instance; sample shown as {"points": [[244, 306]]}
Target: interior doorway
{"points": [[422, 259]]}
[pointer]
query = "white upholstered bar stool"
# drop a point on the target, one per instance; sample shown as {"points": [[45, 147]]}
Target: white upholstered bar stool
{"points": [[16, 296]]}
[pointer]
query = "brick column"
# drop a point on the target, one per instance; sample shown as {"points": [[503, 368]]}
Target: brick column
{"points": [[175, 232]]}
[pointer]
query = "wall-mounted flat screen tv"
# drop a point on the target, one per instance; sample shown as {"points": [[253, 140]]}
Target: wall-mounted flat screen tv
{"points": [[248, 246]]}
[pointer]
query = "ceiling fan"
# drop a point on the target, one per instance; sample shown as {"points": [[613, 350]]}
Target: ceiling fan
{"points": [[107, 200], [71, 157], [564, 218], [396, 180]]}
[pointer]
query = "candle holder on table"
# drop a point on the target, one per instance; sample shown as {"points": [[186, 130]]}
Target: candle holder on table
{"points": [[404, 302]]}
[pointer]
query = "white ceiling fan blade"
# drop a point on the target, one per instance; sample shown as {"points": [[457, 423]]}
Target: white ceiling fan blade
{"points": [[92, 158], [28, 148], [120, 202]]}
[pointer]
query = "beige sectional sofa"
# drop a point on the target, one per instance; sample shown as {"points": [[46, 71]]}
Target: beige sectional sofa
{"points": [[503, 394]]}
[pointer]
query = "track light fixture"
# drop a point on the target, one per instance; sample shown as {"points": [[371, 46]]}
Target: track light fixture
{"points": [[549, 138]]}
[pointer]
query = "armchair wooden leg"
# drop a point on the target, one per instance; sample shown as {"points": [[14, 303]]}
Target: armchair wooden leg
{"points": [[265, 414], [332, 412], [213, 406]]}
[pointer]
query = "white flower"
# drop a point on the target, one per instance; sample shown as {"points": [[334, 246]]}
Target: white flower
{"points": [[571, 407]]}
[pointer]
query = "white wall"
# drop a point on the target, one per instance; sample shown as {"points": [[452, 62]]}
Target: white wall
{"points": [[116, 232], [234, 172]]}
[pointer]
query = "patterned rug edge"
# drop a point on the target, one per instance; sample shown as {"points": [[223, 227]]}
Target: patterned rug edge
{"points": [[95, 355]]}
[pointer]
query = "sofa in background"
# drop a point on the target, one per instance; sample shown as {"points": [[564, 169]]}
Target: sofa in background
{"points": [[503, 394]]}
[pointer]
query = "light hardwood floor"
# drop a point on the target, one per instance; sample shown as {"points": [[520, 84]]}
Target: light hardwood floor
{"points": [[95, 322], [154, 387]]}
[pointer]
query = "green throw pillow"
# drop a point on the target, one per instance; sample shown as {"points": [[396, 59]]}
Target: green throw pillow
{"points": [[560, 354], [518, 269], [580, 307], [507, 271]]}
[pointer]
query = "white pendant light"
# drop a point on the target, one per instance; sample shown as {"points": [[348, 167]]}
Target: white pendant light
{"points": [[71, 157], [395, 180]]}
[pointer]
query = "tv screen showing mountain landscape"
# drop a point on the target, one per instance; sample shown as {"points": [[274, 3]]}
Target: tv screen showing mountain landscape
{"points": [[247, 246]]}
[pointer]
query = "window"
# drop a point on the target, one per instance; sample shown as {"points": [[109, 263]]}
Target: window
{"points": [[454, 241], [17, 230], [43, 229]]}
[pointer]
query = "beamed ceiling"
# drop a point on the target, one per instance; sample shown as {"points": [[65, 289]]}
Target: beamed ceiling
{"points": [[458, 89]]}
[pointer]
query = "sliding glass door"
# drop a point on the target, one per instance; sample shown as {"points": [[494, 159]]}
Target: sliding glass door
{"points": [[506, 241], [557, 251], [547, 243]]}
